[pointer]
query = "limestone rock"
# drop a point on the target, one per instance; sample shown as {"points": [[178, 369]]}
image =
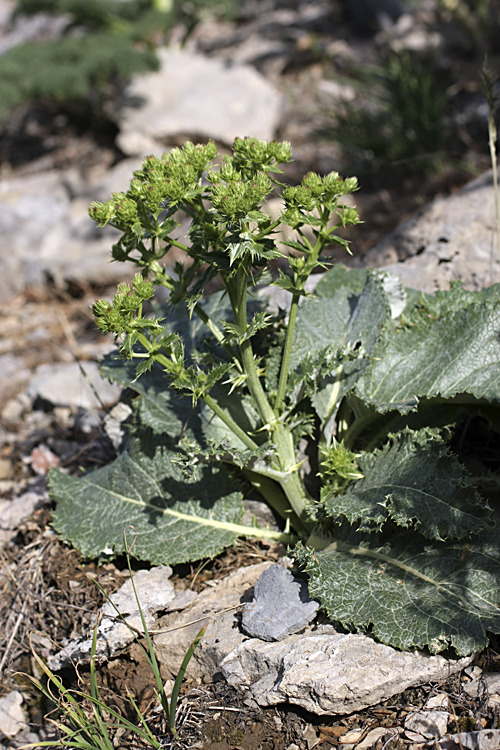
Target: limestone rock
{"points": [[449, 239], [484, 739], [220, 607], [66, 385], [432, 720], [330, 673], [50, 235], [12, 718], [14, 511], [155, 593], [484, 683], [196, 96], [321, 670]]}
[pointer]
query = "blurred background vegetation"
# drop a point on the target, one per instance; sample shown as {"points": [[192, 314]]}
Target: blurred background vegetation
{"points": [[415, 121], [101, 45]]}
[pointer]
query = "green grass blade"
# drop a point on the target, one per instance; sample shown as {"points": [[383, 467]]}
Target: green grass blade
{"points": [[180, 676]]}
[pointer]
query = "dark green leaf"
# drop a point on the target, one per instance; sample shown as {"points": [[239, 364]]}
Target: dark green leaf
{"points": [[162, 409], [417, 482], [409, 595], [458, 353], [175, 520], [349, 323]]}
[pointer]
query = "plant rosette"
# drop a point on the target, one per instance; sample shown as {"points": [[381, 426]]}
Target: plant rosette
{"points": [[372, 379]]}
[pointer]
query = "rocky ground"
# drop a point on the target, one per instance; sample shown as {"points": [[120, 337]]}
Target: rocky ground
{"points": [[311, 55]]}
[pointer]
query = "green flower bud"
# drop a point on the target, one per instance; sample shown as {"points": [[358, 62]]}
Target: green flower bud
{"points": [[236, 199], [126, 212], [143, 287], [333, 183], [349, 216], [350, 185], [102, 213], [228, 171], [292, 218], [313, 183], [252, 155]]}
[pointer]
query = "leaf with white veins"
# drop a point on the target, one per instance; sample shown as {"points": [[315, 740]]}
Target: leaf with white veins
{"points": [[410, 596], [175, 520]]}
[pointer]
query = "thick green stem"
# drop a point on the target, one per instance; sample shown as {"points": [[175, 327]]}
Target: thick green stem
{"points": [[300, 281], [290, 479], [287, 353], [238, 296], [274, 495], [229, 422]]}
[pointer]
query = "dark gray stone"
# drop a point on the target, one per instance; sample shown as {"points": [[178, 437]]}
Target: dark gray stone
{"points": [[281, 606]]}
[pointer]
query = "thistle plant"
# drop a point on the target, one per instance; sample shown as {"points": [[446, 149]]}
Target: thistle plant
{"points": [[366, 379], [234, 238]]}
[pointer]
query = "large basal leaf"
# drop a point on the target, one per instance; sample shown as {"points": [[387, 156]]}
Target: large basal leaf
{"points": [[440, 303], [417, 482], [411, 596], [175, 519], [345, 321], [341, 277], [456, 354]]}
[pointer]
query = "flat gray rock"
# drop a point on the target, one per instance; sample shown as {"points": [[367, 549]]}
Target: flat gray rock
{"points": [[281, 606], [196, 96], [450, 239], [66, 385]]}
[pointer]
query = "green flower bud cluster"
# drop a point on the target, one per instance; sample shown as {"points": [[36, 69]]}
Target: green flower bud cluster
{"points": [[320, 193], [339, 461], [234, 196], [315, 190], [250, 155], [159, 182], [115, 317]]}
